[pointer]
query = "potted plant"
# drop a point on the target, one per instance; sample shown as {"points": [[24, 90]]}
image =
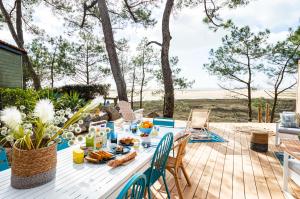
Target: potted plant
{"points": [[34, 137]]}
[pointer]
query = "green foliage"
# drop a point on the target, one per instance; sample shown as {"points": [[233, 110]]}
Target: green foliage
{"points": [[259, 101], [239, 55], [18, 97], [87, 92], [72, 100]]}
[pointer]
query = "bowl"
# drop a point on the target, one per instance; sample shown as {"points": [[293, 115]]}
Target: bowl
{"points": [[145, 130]]}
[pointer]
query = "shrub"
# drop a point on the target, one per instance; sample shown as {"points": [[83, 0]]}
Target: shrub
{"points": [[18, 97], [86, 92]]}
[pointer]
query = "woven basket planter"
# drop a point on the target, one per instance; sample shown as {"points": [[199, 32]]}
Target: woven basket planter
{"points": [[32, 168]]}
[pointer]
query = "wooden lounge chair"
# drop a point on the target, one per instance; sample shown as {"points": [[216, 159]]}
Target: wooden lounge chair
{"points": [[128, 114], [175, 163], [200, 119]]}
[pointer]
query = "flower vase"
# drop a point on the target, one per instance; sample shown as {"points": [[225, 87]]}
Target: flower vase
{"points": [[32, 168]]}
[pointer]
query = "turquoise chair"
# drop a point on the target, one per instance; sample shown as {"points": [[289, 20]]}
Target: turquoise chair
{"points": [[158, 163], [3, 160], [165, 122], [135, 188], [63, 144]]}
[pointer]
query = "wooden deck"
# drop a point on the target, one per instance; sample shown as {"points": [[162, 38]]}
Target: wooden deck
{"points": [[230, 169]]}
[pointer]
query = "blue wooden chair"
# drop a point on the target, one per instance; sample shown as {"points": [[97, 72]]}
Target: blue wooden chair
{"points": [[165, 122], [63, 144], [158, 163], [135, 188], [3, 160]]}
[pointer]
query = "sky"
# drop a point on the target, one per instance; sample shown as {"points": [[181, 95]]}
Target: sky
{"points": [[191, 38]]}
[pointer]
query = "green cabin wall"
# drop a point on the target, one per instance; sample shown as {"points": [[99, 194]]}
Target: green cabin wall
{"points": [[11, 73]]}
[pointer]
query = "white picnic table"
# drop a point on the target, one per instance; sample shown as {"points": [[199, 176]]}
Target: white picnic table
{"points": [[85, 180]]}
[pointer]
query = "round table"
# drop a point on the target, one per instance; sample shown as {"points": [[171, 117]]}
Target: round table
{"points": [[259, 141]]}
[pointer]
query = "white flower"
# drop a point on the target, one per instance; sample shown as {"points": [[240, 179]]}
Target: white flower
{"points": [[80, 121], [9, 138], [4, 128], [73, 138], [76, 125], [64, 135], [71, 142], [80, 138], [51, 143], [71, 128], [57, 140], [85, 114], [68, 111], [22, 107], [44, 110], [27, 125], [11, 117], [89, 136], [92, 129], [69, 135], [77, 130], [29, 131], [3, 132], [47, 136], [23, 116], [93, 104], [107, 130]]}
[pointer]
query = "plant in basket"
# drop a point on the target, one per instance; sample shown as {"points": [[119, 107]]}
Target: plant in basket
{"points": [[34, 137]]}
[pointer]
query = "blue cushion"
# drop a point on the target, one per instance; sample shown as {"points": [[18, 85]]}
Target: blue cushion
{"points": [[289, 120], [167, 122], [63, 144], [3, 160]]}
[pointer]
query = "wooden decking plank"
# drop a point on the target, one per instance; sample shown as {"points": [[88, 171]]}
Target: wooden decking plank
{"points": [[203, 185], [261, 184], [250, 186], [238, 189], [226, 187], [215, 184], [189, 191]]}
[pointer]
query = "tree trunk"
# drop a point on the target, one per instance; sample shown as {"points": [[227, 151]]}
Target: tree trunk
{"points": [[142, 86], [249, 103], [274, 106], [111, 50], [165, 64], [52, 67], [132, 88], [87, 66]]}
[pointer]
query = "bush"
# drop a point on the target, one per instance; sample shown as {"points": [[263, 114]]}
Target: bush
{"points": [[18, 97], [86, 92]]}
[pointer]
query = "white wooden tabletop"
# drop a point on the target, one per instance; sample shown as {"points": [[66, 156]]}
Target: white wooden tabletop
{"points": [[84, 180]]}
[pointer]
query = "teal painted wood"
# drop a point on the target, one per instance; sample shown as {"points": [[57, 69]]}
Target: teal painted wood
{"points": [[11, 73], [158, 163], [63, 144], [135, 188], [3, 160], [161, 121]]}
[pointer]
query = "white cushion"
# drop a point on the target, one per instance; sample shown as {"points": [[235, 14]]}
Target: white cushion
{"points": [[294, 165], [294, 131]]}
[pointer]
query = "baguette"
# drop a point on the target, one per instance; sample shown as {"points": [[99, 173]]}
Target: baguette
{"points": [[92, 160], [121, 160]]}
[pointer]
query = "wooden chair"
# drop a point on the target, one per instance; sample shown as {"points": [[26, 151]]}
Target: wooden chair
{"points": [[127, 113], [175, 163], [200, 119]]}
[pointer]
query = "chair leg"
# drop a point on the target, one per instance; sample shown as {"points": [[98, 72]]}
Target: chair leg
{"points": [[178, 185], [166, 186], [186, 175], [149, 192]]}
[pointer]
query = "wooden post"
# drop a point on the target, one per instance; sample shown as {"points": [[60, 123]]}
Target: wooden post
{"points": [[267, 119], [259, 113]]}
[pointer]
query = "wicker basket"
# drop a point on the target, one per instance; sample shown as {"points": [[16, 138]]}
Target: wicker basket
{"points": [[32, 168]]}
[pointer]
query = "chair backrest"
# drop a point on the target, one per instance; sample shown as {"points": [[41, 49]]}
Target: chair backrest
{"points": [[3, 160], [200, 118], [161, 154], [181, 145], [135, 188], [165, 122], [126, 111]]}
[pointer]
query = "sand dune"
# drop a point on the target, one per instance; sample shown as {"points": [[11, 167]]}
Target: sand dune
{"points": [[209, 94]]}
